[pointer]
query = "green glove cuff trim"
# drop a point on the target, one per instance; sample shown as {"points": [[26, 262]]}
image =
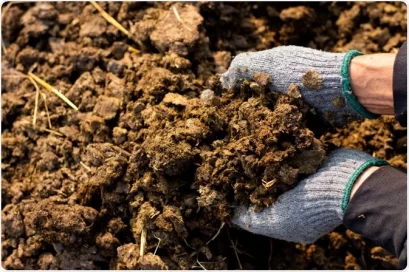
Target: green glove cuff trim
{"points": [[355, 175], [346, 86]]}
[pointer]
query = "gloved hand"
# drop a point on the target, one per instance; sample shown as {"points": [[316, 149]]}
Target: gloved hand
{"points": [[315, 206], [322, 77]]}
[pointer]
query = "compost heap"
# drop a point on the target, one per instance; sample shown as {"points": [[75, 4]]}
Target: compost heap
{"points": [[158, 154]]}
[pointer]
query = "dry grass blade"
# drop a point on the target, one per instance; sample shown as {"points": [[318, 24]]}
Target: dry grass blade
{"points": [[109, 18], [155, 214], [6, 8], [157, 246], [188, 244], [217, 234], [85, 166], [133, 49], [235, 250], [197, 260], [52, 131], [32, 80], [46, 110], [143, 242], [32, 68], [268, 184], [36, 100], [175, 11], [53, 90], [201, 263], [3, 45]]}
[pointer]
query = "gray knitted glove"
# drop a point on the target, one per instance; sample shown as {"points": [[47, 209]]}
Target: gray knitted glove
{"points": [[315, 206], [322, 77]]}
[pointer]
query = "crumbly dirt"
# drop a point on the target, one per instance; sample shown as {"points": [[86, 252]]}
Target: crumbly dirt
{"points": [[338, 102], [383, 138], [158, 148], [312, 80]]}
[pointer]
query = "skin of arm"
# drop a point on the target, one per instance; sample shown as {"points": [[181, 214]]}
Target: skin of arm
{"points": [[361, 179], [371, 82]]}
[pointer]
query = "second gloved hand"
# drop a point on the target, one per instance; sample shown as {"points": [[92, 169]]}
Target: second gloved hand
{"points": [[322, 77], [315, 206]]}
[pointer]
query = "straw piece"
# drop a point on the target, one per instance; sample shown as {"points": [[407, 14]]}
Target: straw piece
{"points": [[109, 18], [46, 110], [36, 100], [53, 90], [133, 49], [143, 242]]}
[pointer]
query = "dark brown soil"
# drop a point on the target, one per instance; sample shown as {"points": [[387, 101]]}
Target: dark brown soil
{"points": [[157, 147]]}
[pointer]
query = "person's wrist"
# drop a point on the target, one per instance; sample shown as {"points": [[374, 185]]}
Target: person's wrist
{"points": [[371, 82], [361, 179], [360, 173]]}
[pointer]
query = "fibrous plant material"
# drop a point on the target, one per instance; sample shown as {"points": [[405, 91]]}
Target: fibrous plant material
{"points": [[5, 9], [34, 80], [115, 23], [136, 160], [109, 18], [36, 100], [52, 90]]}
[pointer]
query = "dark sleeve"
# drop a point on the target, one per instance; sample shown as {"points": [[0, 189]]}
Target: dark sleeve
{"points": [[400, 86], [378, 211]]}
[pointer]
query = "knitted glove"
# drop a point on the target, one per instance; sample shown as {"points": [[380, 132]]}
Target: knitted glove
{"points": [[322, 77], [315, 206]]}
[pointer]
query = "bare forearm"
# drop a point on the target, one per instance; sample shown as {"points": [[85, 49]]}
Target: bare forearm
{"points": [[371, 82], [361, 179]]}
